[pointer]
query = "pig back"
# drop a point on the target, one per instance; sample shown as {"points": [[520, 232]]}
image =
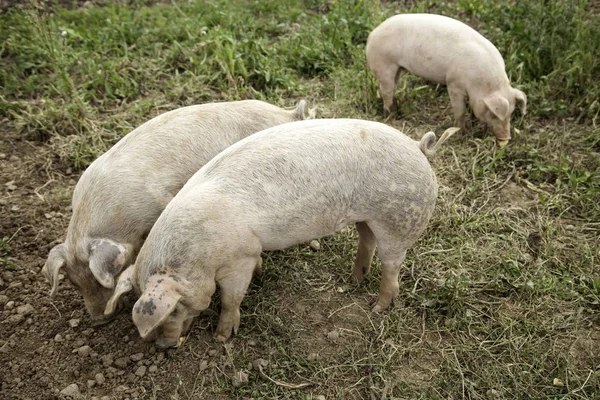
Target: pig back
{"points": [[311, 178]]}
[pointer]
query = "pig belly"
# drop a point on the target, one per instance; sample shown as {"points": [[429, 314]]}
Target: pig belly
{"points": [[283, 234]]}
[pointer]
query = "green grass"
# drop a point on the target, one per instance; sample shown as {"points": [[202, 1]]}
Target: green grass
{"points": [[501, 297]]}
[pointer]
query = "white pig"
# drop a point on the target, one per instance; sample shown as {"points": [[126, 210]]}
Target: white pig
{"points": [[120, 196], [446, 51], [275, 189]]}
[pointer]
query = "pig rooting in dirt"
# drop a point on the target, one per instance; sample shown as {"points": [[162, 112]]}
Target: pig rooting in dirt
{"points": [[120, 196], [445, 51], [278, 188]]}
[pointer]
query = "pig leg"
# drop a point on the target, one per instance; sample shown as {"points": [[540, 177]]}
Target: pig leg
{"points": [[392, 250], [234, 284], [458, 101], [366, 249], [387, 86]]}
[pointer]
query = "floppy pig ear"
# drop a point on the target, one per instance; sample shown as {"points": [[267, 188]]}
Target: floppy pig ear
{"points": [[124, 285], [522, 97], [498, 105], [57, 259], [107, 258], [154, 307]]}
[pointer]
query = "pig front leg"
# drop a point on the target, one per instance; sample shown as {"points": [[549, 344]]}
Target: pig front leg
{"points": [[458, 100], [366, 249], [388, 78], [234, 284]]}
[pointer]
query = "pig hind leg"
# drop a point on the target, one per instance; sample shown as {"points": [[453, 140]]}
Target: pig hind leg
{"points": [[392, 251], [366, 249], [458, 100], [234, 286]]}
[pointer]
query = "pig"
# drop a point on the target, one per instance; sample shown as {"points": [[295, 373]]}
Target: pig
{"points": [[446, 51], [278, 188], [122, 193]]}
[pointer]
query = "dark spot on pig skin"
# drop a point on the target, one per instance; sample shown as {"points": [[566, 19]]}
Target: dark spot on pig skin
{"points": [[159, 281], [146, 307]]}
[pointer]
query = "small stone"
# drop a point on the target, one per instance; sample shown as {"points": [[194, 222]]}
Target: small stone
{"points": [[333, 335], [154, 368], [259, 363], [239, 378], [122, 362], [10, 186], [137, 356], [14, 319], [71, 391], [83, 351], [58, 338], [48, 216], [69, 171], [493, 393], [312, 356], [320, 397], [315, 245], [104, 398], [15, 208], [212, 352], [74, 323], [141, 371], [91, 383], [99, 378], [203, 365], [14, 158], [9, 305], [251, 343], [2, 156], [159, 357]]}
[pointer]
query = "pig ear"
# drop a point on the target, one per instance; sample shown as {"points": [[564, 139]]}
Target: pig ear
{"points": [[57, 259], [124, 285], [522, 97], [498, 105], [153, 308], [107, 258]]}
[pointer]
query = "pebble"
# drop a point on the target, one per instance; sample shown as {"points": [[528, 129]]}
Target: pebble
{"points": [[239, 378], [212, 352], [25, 309], [74, 323], [14, 158], [154, 368], [312, 356], [71, 391], [83, 351], [203, 365], [107, 360], [9, 305], [14, 319], [10, 185], [122, 362], [141, 371], [2, 156], [315, 245], [320, 397], [137, 356], [3, 299], [99, 378], [258, 363], [91, 383], [333, 335], [160, 357], [58, 338]]}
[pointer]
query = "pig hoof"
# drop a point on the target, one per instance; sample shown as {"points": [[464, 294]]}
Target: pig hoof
{"points": [[502, 143], [221, 338], [378, 308]]}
